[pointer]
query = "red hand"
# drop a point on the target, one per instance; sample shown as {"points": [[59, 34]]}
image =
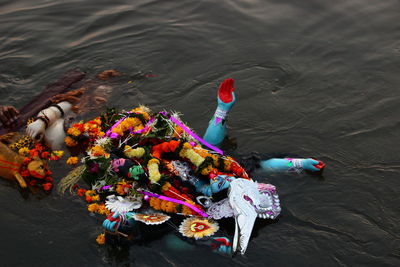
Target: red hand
{"points": [[320, 165], [225, 90]]}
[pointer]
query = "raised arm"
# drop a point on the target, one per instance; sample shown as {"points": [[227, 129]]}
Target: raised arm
{"points": [[216, 130]]}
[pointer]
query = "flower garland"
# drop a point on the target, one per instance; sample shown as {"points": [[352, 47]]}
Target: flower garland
{"points": [[84, 133]]}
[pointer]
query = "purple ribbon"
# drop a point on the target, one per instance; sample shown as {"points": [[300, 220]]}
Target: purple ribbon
{"points": [[106, 187], [175, 201], [109, 133], [195, 136]]}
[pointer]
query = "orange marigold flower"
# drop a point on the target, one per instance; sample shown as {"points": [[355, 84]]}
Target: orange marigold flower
{"points": [[98, 151], [166, 187], [120, 190], [73, 131], [72, 160], [101, 239], [93, 207], [69, 141]]}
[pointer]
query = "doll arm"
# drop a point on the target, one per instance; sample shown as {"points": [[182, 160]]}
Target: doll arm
{"points": [[216, 130], [291, 164], [46, 118]]}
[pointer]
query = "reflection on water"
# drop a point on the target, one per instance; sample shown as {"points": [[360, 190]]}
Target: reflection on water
{"points": [[314, 78]]}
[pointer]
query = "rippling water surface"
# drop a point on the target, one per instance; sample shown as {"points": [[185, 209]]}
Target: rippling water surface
{"points": [[315, 78]]}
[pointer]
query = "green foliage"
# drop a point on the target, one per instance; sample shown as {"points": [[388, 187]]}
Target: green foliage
{"points": [[92, 177]]}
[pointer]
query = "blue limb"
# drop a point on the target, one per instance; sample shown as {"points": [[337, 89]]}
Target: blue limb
{"points": [[288, 164], [216, 130]]}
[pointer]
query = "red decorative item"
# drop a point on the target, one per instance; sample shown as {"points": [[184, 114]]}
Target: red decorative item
{"points": [[320, 165], [225, 90]]}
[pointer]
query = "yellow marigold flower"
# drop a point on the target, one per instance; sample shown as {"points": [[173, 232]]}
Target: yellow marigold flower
{"points": [[72, 160], [153, 161], [101, 239], [59, 153], [134, 152], [142, 110], [23, 151], [190, 154], [101, 134], [93, 207], [70, 142], [154, 173], [96, 198]]}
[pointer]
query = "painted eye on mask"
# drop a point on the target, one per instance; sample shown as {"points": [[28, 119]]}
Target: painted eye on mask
{"points": [[248, 199]]}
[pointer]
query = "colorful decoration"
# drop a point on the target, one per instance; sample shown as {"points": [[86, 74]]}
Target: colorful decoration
{"points": [[120, 204], [151, 219], [198, 228], [137, 155]]}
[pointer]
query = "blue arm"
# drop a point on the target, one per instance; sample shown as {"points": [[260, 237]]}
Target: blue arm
{"points": [[289, 164]]}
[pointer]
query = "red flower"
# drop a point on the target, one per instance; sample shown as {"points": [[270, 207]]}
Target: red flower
{"points": [[47, 186], [45, 155], [33, 153], [49, 179], [81, 192], [39, 147], [89, 199], [32, 182]]}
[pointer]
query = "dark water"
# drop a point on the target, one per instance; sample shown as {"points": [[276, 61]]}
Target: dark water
{"points": [[315, 78]]}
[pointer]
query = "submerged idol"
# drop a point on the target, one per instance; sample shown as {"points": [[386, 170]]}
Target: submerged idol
{"points": [[149, 169]]}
